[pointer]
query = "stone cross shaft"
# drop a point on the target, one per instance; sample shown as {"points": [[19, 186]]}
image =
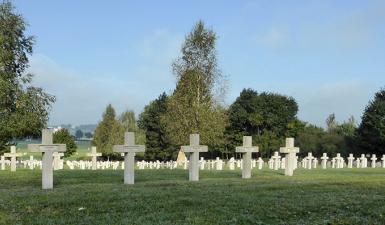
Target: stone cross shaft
{"points": [[350, 161], [13, 156], [56, 160], [290, 156], [276, 157], [247, 149], [194, 148], [383, 161], [324, 160], [47, 148], [374, 158], [94, 156], [310, 159], [129, 149]]}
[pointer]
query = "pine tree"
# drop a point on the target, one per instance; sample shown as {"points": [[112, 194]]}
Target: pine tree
{"points": [[371, 132], [158, 144]]}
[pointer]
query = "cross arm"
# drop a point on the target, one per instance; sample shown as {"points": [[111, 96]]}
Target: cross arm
{"points": [[243, 149], [289, 150], [126, 148], [196, 148], [47, 148]]}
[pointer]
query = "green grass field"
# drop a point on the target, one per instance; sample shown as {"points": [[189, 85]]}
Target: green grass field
{"points": [[81, 151], [346, 196]]}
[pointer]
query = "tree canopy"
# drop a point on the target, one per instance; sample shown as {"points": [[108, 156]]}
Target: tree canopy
{"points": [[109, 132], [371, 132], [265, 116], [23, 107], [192, 107], [158, 144], [63, 136]]}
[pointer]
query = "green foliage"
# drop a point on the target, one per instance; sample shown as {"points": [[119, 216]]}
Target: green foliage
{"points": [[129, 124], [158, 144], [371, 132], [337, 138], [23, 108], [109, 132], [267, 117], [63, 136], [128, 121], [192, 107]]}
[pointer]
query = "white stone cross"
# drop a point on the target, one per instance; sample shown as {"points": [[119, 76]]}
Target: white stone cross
{"points": [[290, 157], [13, 156], [247, 149], [194, 148], [339, 161], [324, 160], [350, 161], [232, 163], [358, 163], [94, 156], [383, 161], [260, 163], [315, 163], [56, 160], [374, 158], [310, 159], [2, 162], [364, 161], [277, 158], [47, 148], [129, 149]]}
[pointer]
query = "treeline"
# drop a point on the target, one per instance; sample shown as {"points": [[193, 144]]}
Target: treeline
{"points": [[195, 106]]}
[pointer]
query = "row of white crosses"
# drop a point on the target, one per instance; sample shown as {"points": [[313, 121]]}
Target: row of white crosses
{"points": [[52, 151]]}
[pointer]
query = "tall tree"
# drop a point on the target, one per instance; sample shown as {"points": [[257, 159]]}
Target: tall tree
{"points": [[128, 121], [129, 124], [23, 108], [63, 136], [108, 133], [192, 107], [158, 144], [266, 116], [371, 132]]}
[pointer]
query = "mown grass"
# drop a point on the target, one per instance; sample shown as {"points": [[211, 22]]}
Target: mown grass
{"points": [[345, 196], [81, 151]]}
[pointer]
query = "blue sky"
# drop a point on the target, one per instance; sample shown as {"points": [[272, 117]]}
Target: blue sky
{"points": [[328, 55]]}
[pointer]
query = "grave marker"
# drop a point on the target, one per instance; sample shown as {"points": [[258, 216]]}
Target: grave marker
{"points": [[290, 157], [13, 156], [247, 149], [324, 160], [194, 148], [129, 149], [374, 158], [47, 148], [94, 156]]}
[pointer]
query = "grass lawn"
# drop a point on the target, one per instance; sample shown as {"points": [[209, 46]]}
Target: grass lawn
{"points": [[81, 151], [345, 196]]}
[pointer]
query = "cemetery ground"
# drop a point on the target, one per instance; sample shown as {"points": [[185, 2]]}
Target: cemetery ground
{"points": [[331, 196]]}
